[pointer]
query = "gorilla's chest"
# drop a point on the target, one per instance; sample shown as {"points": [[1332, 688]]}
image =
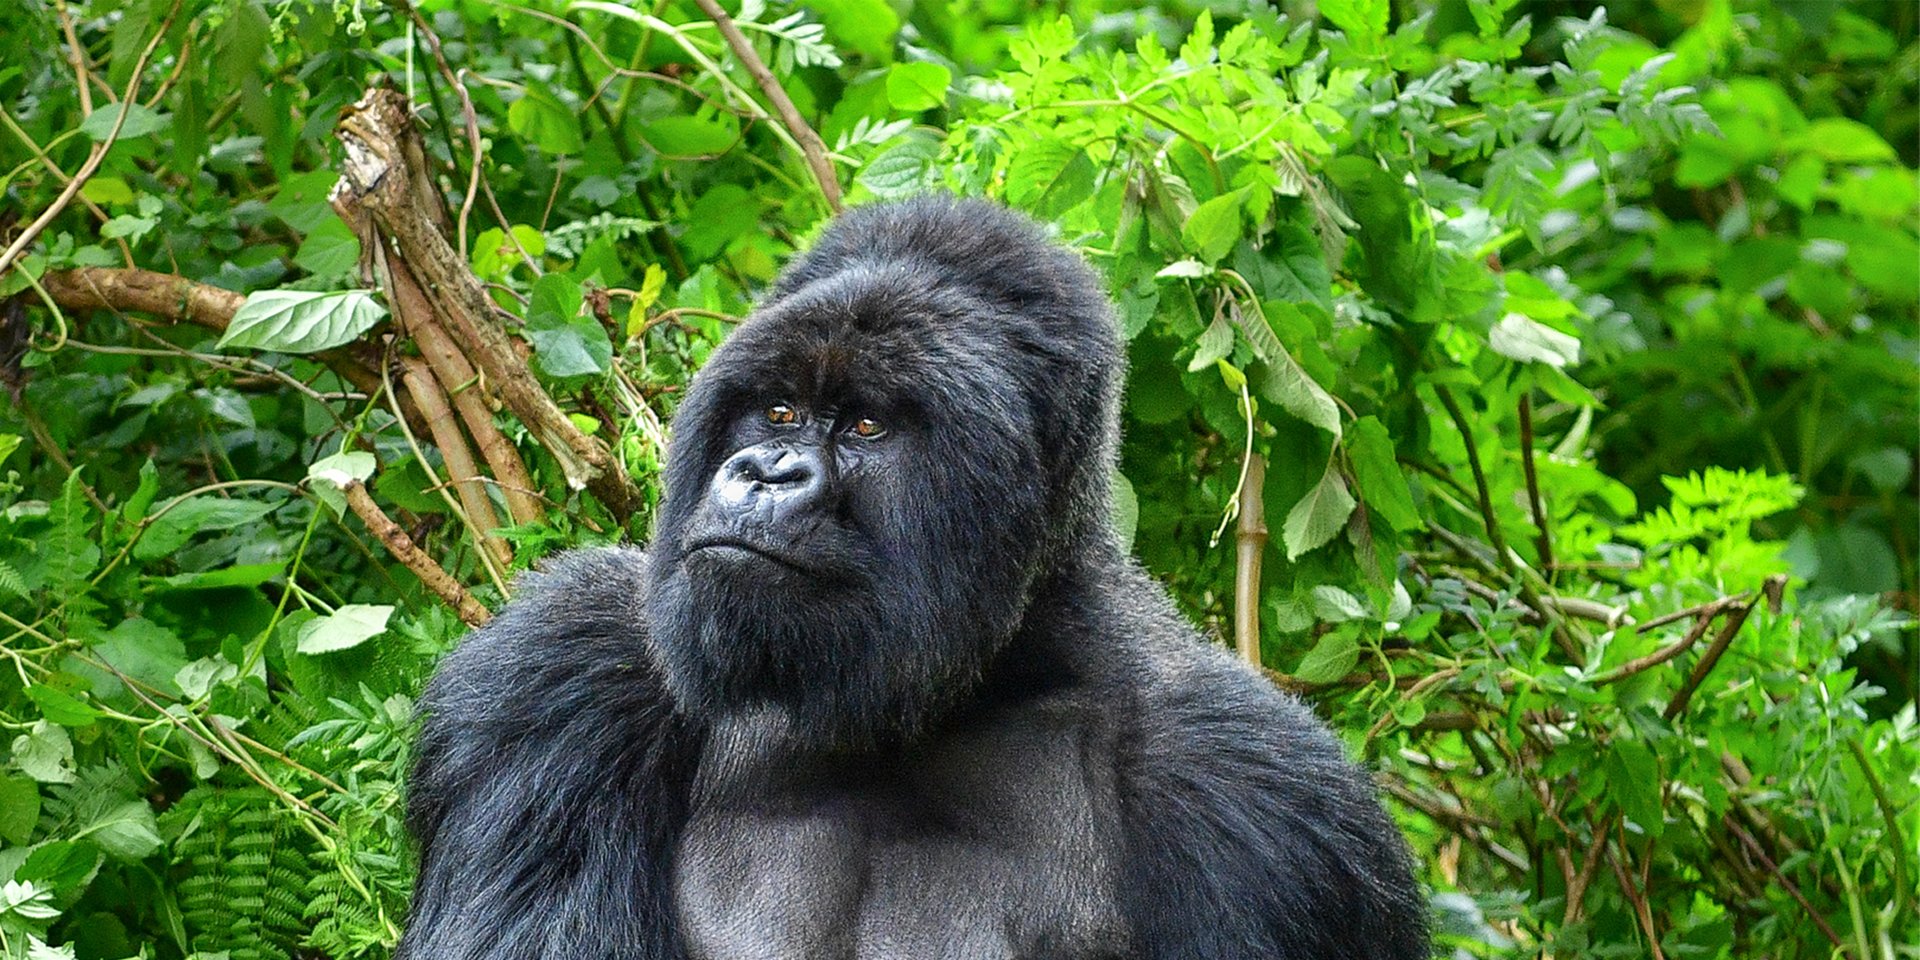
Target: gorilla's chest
{"points": [[995, 843]]}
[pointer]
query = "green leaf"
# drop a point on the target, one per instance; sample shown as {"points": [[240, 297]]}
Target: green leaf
{"points": [[1382, 483], [70, 549], [901, 170], [141, 121], [1334, 605], [1633, 783], [125, 830], [566, 342], [541, 118], [1049, 178], [1527, 340], [1332, 658], [865, 26], [45, 753], [1215, 344], [348, 627], [1214, 226], [302, 321], [62, 707], [690, 135], [301, 202], [1839, 140], [173, 529], [1285, 382], [1319, 515], [19, 809], [140, 650], [331, 250], [342, 468], [913, 87], [1362, 20]]}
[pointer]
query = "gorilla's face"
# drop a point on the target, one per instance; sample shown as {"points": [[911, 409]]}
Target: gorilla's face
{"points": [[864, 484]]}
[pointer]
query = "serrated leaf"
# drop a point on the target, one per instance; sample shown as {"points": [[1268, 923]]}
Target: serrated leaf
{"points": [[302, 321], [69, 549], [1287, 383], [1049, 178], [345, 628], [1528, 340], [1334, 605], [1382, 483], [1215, 343], [45, 753], [913, 87], [125, 830], [1331, 659], [1319, 515], [901, 169]]}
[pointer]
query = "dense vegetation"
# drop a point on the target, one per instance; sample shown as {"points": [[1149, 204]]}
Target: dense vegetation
{"points": [[1533, 389]]}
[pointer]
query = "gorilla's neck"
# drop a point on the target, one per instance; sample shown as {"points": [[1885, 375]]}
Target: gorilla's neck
{"points": [[878, 683]]}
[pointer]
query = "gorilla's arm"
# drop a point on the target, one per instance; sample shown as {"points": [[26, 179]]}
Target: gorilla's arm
{"points": [[549, 778], [1248, 834]]}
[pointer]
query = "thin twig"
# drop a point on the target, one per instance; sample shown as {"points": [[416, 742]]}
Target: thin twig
{"points": [[1721, 641], [94, 156], [413, 558], [1542, 538], [1708, 613], [1640, 909], [1793, 890], [811, 146]]}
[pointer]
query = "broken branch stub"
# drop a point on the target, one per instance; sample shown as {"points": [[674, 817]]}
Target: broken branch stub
{"points": [[387, 194]]}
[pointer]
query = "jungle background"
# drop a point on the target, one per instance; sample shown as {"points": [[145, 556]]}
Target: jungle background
{"points": [[1533, 387]]}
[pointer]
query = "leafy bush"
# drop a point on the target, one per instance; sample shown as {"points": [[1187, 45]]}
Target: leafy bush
{"points": [[1533, 393]]}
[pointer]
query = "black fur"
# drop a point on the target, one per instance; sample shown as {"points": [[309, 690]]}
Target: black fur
{"points": [[898, 697]]}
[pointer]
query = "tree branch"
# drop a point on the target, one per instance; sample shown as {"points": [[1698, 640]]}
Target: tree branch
{"points": [[810, 144], [413, 558]]}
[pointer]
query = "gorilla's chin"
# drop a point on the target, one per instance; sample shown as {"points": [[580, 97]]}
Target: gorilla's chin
{"points": [[851, 666]]}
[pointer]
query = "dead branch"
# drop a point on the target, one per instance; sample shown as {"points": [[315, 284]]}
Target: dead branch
{"points": [[376, 178], [176, 299], [462, 472], [413, 558], [1735, 619], [457, 377]]}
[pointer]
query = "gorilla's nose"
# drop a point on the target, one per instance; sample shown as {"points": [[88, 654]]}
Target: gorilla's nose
{"points": [[778, 479]]}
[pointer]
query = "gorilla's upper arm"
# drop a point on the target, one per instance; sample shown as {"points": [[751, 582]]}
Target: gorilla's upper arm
{"points": [[1248, 833], [525, 809]]}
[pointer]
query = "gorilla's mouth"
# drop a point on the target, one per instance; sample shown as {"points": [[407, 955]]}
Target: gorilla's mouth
{"points": [[736, 549]]}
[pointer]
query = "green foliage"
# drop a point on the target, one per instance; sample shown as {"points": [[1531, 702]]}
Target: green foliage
{"points": [[1580, 355]]}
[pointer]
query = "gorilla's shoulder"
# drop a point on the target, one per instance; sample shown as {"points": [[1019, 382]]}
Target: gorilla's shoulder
{"points": [[1233, 781], [574, 630]]}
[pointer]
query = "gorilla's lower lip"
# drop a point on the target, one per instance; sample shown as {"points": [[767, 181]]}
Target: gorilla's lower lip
{"points": [[746, 547]]}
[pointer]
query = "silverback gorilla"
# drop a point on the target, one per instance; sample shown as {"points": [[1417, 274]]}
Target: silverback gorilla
{"points": [[883, 686]]}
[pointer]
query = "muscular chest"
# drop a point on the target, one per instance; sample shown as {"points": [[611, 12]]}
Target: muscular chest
{"points": [[993, 842]]}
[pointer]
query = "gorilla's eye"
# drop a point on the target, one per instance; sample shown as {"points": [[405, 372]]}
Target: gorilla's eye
{"points": [[782, 414], [867, 428]]}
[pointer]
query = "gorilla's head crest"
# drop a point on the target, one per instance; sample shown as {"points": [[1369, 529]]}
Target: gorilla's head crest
{"points": [[872, 473]]}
